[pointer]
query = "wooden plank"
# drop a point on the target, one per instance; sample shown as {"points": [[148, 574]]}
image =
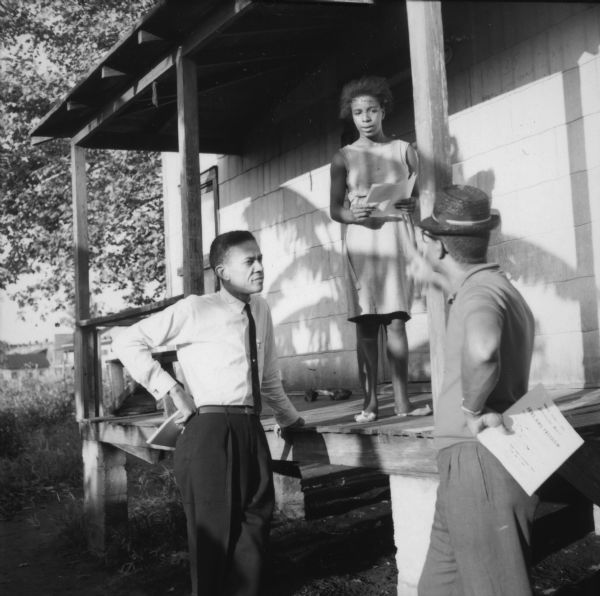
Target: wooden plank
{"points": [[116, 433], [390, 455], [84, 349], [393, 447], [40, 140], [115, 106], [260, 59], [189, 154], [108, 73], [80, 233], [212, 24], [582, 470], [365, 2], [152, 456], [129, 314], [105, 493], [229, 11], [430, 96], [147, 37], [159, 142], [95, 70], [75, 105]]}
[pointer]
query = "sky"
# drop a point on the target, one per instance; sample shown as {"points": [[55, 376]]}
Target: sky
{"points": [[13, 330]]}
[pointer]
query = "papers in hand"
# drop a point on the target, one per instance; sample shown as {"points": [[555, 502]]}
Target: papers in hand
{"points": [[539, 442], [165, 436], [384, 196]]}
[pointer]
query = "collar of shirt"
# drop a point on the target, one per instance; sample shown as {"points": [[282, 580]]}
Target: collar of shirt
{"points": [[470, 273], [232, 302]]}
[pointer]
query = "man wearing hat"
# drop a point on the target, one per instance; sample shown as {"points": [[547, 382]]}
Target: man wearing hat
{"points": [[481, 530]]}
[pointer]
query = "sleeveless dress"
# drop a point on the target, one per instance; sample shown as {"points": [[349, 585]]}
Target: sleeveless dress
{"points": [[375, 267]]}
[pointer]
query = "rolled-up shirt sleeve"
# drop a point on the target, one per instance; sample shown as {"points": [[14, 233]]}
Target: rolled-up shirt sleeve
{"points": [[271, 387], [133, 347]]}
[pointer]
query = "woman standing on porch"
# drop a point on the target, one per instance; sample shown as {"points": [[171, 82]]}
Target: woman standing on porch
{"points": [[378, 289]]}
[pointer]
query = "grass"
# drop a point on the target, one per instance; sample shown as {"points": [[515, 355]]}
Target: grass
{"points": [[40, 458], [157, 528], [40, 448]]}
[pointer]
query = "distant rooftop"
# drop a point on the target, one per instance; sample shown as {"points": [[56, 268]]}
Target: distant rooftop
{"points": [[37, 359]]}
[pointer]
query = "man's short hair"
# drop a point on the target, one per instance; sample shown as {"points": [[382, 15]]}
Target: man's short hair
{"points": [[223, 242], [467, 249]]}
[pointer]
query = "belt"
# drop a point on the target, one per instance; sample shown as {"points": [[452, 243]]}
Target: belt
{"points": [[248, 410]]}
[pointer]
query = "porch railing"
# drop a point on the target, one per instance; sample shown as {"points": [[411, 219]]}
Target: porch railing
{"points": [[93, 397]]}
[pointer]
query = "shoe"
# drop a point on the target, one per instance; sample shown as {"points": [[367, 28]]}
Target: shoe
{"points": [[424, 411], [310, 395], [340, 394], [365, 417]]}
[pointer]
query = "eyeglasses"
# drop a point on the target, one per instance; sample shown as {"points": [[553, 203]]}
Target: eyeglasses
{"points": [[427, 236]]}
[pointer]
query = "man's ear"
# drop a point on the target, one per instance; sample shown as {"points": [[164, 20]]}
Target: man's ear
{"points": [[443, 251], [221, 273], [382, 113]]}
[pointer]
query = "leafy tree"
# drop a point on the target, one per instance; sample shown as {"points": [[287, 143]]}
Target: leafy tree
{"points": [[46, 47]]}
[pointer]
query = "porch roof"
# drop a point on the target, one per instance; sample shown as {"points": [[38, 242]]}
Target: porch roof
{"points": [[248, 55]]}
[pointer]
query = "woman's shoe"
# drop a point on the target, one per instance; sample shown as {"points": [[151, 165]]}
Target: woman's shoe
{"points": [[424, 411], [365, 417]]}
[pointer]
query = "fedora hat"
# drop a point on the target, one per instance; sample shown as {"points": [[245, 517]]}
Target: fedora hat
{"points": [[462, 211]]}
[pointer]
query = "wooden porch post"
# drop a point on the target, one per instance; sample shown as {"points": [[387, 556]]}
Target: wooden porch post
{"points": [[191, 216], [86, 404], [105, 476], [430, 95], [413, 497]]}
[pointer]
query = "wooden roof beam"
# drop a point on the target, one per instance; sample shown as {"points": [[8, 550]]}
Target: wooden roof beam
{"points": [[222, 82], [92, 72], [226, 13], [257, 60], [109, 73], [40, 140], [73, 106], [115, 106], [280, 30], [147, 37]]}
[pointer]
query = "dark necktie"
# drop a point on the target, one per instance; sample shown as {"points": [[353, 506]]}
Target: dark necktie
{"points": [[253, 360]]}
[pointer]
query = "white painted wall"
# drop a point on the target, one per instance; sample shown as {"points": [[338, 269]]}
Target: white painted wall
{"points": [[524, 104], [525, 124]]}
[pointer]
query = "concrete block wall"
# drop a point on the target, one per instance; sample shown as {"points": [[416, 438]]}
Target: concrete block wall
{"points": [[279, 189], [524, 103]]}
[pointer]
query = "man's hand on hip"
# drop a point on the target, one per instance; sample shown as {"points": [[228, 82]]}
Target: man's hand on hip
{"points": [[184, 403], [283, 431], [487, 419]]}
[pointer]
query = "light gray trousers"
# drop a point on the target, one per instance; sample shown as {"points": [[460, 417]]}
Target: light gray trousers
{"points": [[480, 538]]}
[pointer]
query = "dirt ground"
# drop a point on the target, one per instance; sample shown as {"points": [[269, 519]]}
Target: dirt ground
{"points": [[346, 554]]}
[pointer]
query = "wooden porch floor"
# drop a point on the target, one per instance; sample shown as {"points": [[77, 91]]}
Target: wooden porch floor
{"points": [[392, 444]]}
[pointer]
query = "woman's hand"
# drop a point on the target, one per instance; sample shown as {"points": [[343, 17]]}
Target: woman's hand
{"points": [[406, 206], [361, 211]]}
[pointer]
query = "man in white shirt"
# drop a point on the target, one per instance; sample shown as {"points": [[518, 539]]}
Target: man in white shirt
{"points": [[225, 346]]}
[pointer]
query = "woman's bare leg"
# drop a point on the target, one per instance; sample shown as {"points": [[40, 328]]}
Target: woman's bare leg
{"points": [[367, 352], [397, 351]]}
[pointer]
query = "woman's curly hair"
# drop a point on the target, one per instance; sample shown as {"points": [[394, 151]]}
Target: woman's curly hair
{"points": [[377, 87]]}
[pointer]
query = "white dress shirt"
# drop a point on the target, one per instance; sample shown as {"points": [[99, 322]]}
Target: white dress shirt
{"points": [[210, 333]]}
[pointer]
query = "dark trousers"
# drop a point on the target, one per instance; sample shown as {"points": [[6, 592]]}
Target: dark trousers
{"points": [[480, 539], [223, 470]]}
